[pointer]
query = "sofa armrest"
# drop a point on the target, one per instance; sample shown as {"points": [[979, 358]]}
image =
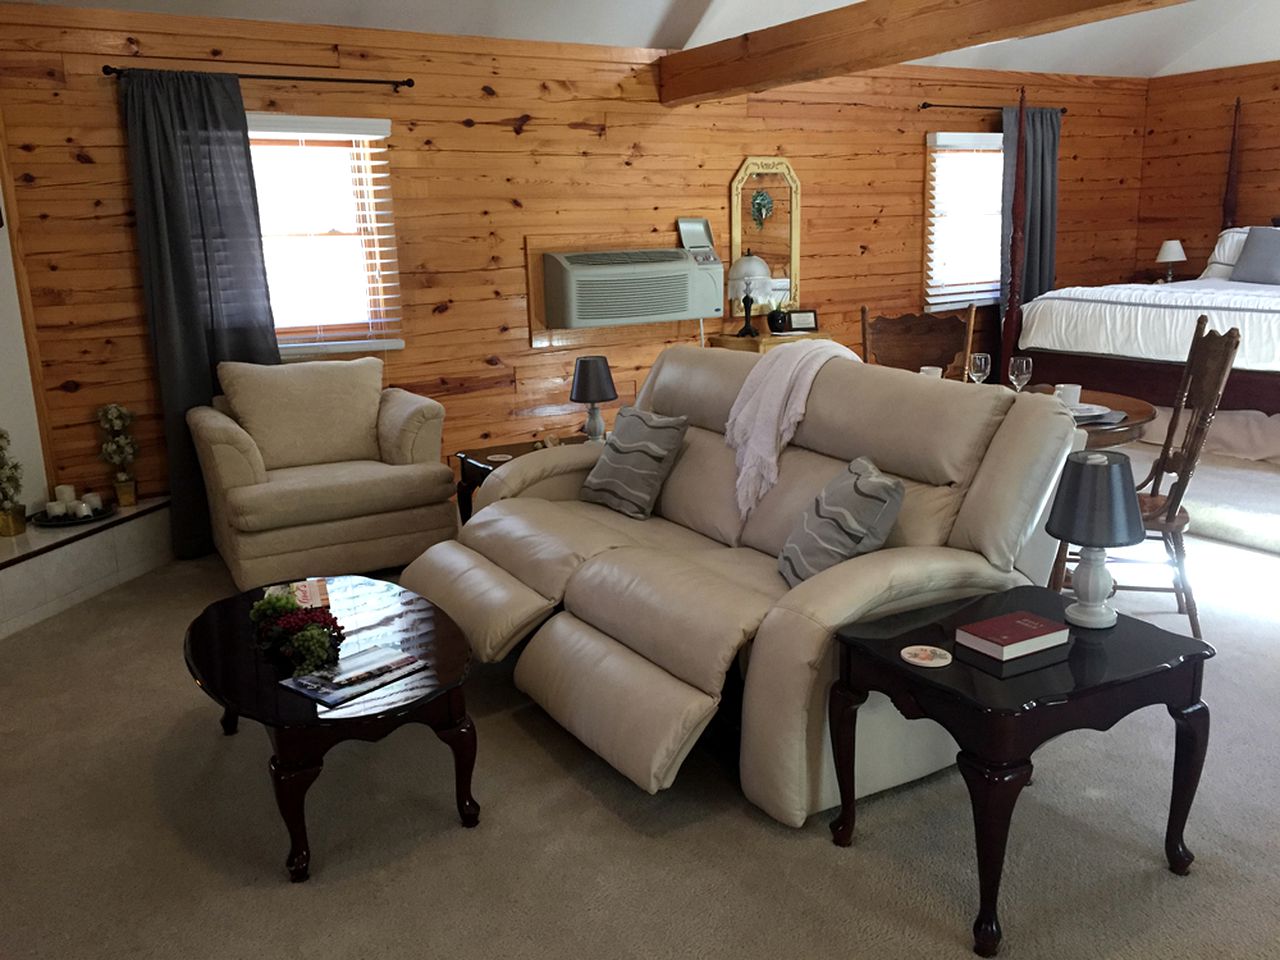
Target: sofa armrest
{"points": [[786, 766], [228, 455], [409, 427], [553, 473]]}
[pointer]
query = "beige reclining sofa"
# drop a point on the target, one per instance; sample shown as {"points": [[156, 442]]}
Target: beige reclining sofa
{"points": [[313, 469], [634, 623]]}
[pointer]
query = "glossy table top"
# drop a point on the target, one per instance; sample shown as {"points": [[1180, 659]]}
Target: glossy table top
{"points": [[1137, 414], [1128, 651], [225, 661]]}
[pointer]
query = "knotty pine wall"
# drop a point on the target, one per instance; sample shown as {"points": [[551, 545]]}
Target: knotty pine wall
{"points": [[1188, 136], [501, 141]]}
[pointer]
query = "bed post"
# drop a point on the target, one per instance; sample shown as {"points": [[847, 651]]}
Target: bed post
{"points": [[1232, 194], [1012, 328]]}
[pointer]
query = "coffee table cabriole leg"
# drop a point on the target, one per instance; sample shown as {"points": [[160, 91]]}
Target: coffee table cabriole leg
{"points": [[458, 733], [993, 791], [1192, 742], [230, 721]]}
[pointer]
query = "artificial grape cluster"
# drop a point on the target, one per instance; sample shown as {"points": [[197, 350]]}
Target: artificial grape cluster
{"points": [[295, 620]]}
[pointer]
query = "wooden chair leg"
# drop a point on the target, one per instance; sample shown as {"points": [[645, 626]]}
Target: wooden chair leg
{"points": [[1059, 575], [1175, 570], [1180, 551]]}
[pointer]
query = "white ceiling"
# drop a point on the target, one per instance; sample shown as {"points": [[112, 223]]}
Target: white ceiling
{"points": [[1198, 35]]}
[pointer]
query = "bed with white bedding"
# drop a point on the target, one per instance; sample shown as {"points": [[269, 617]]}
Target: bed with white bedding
{"points": [[1133, 338]]}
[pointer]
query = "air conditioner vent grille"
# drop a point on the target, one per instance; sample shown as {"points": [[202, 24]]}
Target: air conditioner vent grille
{"points": [[621, 257], [624, 297]]}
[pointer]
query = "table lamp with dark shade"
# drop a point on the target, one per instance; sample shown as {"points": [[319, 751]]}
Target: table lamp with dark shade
{"points": [[1096, 507], [593, 384]]}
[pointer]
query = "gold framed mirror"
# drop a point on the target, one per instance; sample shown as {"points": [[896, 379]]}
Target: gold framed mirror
{"points": [[764, 217]]}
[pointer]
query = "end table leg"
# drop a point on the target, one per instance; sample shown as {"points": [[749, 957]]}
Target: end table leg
{"points": [[993, 791], [461, 739], [1192, 742], [230, 721], [291, 786], [842, 711]]}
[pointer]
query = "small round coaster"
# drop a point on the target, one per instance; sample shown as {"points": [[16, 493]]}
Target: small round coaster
{"points": [[498, 457], [922, 656]]}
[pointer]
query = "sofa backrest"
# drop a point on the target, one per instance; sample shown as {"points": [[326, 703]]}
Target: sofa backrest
{"points": [[322, 411], [933, 434]]}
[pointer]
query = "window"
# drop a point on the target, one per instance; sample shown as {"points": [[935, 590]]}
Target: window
{"points": [[328, 234], [963, 197]]}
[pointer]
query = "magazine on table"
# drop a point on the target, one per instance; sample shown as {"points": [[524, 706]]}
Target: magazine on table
{"points": [[355, 675]]}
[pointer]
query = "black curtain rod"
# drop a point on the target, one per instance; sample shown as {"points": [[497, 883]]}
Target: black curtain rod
{"points": [[111, 71], [965, 106]]}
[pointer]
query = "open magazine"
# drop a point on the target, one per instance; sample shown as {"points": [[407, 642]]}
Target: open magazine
{"points": [[355, 675]]}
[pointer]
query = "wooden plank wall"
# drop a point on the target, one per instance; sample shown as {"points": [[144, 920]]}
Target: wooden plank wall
{"points": [[1188, 134], [500, 141]]}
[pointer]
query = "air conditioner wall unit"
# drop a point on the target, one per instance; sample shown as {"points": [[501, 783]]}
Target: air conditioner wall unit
{"points": [[616, 287]]}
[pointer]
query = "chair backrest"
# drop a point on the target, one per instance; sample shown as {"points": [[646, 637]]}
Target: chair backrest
{"points": [[1203, 380], [912, 341]]}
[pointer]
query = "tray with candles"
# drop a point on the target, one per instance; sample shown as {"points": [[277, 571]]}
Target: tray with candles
{"points": [[68, 510]]}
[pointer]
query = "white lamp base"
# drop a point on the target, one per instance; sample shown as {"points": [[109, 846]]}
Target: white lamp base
{"points": [[595, 423], [1092, 584]]}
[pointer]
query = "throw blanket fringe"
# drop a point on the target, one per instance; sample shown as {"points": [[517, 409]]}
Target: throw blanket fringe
{"points": [[769, 408]]}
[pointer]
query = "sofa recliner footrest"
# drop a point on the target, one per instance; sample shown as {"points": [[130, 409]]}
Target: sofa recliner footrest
{"points": [[631, 712]]}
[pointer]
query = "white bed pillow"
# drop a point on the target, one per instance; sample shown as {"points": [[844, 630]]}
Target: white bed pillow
{"points": [[1225, 254]]}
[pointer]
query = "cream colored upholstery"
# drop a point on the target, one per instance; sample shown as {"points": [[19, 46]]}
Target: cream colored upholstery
{"points": [[652, 613], [326, 474]]}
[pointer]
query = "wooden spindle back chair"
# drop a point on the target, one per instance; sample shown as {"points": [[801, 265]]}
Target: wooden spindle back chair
{"points": [[912, 341]]}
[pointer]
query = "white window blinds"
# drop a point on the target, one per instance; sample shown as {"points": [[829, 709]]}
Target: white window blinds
{"points": [[963, 196], [328, 230]]}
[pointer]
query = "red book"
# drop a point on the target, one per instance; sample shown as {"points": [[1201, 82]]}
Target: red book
{"points": [[1012, 635]]}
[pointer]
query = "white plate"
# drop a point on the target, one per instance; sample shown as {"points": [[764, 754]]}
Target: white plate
{"points": [[1089, 410], [498, 457], [924, 656]]}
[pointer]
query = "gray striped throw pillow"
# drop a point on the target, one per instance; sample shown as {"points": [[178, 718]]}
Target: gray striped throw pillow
{"points": [[851, 516], [636, 460]]}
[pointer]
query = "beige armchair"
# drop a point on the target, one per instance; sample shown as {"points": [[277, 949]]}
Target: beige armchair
{"points": [[313, 469]]}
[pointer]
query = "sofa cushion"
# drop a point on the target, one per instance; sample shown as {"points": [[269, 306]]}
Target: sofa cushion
{"points": [[323, 411], [851, 516], [652, 532], [539, 542], [696, 383], [673, 611], [637, 457], [699, 494], [293, 496]]}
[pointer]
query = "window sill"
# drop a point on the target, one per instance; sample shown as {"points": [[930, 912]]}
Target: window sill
{"points": [[323, 348]]}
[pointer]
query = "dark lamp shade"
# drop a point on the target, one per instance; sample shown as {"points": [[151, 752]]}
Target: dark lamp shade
{"points": [[592, 382], [1096, 504]]}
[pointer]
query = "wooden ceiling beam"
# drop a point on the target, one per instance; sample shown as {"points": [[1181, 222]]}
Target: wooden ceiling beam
{"points": [[863, 36]]}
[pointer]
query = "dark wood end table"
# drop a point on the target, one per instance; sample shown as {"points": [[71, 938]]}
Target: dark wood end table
{"points": [[476, 463], [227, 664], [999, 723], [1137, 414]]}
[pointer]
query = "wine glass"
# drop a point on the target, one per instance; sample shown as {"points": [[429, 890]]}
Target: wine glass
{"points": [[1019, 372], [979, 367]]}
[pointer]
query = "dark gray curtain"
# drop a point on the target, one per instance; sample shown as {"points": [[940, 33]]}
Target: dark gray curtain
{"points": [[1044, 129], [200, 245]]}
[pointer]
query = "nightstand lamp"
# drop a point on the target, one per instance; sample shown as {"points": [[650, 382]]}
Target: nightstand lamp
{"points": [[1171, 252], [593, 384], [1096, 507], [748, 278]]}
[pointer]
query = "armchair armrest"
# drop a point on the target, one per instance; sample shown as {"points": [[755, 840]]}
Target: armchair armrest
{"points": [[409, 427], [786, 766], [228, 455], [554, 473]]}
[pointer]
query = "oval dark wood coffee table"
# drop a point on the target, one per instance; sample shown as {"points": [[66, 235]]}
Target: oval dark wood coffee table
{"points": [[227, 664]]}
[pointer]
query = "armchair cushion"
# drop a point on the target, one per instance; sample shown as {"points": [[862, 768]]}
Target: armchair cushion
{"points": [[323, 411], [409, 427], [293, 496]]}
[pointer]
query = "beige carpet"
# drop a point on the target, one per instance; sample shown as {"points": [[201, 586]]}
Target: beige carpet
{"points": [[133, 829]]}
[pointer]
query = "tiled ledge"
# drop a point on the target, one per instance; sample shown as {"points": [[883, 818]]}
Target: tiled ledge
{"points": [[45, 571]]}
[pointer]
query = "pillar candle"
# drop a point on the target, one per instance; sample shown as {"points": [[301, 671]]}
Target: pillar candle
{"points": [[94, 501], [55, 508], [82, 509], [65, 492]]}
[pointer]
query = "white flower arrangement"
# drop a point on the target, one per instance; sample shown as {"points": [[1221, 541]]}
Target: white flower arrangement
{"points": [[10, 476], [119, 449]]}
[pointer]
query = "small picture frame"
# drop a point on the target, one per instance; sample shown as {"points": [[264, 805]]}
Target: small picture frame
{"points": [[802, 321]]}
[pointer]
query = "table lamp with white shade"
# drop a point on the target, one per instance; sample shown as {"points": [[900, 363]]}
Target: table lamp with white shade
{"points": [[1171, 252], [748, 278], [1096, 507]]}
